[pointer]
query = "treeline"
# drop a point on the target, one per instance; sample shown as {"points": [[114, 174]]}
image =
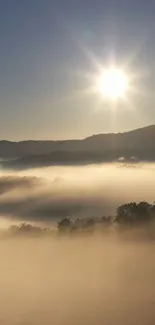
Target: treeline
{"points": [[129, 214]]}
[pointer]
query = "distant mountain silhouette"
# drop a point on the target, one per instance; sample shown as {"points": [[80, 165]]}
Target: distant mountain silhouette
{"points": [[138, 143]]}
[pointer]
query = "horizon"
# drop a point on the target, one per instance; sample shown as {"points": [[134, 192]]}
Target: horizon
{"points": [[74, 139]]}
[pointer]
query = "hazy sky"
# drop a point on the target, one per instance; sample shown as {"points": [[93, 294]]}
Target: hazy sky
{"points": [[48, 55]]}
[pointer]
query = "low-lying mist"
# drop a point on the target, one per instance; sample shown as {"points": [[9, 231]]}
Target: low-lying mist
{"points": [[47, 194], [87, 280], [97, 278]]}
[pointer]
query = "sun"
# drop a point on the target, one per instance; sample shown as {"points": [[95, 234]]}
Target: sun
{"points": [[113, 83]]}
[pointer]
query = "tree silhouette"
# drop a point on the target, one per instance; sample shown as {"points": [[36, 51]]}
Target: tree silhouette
{"points": [[127, 214], [65, 224], [134, 212]]}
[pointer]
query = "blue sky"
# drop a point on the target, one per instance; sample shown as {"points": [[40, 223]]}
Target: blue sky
{"points": [[47, 48]]}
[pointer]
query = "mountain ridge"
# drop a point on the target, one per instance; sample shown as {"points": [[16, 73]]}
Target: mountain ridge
{"points": [[76, 139], [99, 148]]}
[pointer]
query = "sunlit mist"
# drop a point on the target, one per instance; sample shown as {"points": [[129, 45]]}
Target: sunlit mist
{"points": [[46, 195], [82, 281]]}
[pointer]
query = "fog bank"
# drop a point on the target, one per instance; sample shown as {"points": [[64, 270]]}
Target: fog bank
{"points": [[77, 281], [48, 194]]}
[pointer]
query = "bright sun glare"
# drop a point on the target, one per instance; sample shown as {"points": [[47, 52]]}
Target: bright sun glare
{"points": [[113, 83]]}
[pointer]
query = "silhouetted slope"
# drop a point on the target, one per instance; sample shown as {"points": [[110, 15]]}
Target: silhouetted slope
{"points": [[97, 148]]}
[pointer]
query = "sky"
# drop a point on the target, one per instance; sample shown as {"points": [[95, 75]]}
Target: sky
{"points": [[50, 55]]}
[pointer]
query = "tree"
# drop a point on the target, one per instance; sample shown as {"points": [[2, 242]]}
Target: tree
{"points": [[134, 212], [106, 221], [65, 224]]}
